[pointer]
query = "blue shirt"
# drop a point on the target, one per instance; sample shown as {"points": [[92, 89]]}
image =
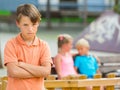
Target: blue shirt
{"points": [[86, 65]]}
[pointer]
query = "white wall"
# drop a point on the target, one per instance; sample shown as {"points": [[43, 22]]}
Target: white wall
{"points": [[54, 5]]}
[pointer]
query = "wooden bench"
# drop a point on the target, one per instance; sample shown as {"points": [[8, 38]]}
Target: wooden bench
{"points": [[110, 64]]}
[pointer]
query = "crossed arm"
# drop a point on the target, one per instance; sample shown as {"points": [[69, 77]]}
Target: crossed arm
{"points": [[24, 70]]}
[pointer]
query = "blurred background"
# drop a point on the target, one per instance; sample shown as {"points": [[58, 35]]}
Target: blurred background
{"points": [[96, 20]]}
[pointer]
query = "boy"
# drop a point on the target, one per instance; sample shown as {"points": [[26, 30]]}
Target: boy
{"points": [[26, 57], [85, 63]]}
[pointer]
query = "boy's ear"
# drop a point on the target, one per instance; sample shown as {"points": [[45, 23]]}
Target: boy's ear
{"points": [[17, 23]]}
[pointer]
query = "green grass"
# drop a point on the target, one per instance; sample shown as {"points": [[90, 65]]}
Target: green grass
{"points": [[5, 13], [70, 19]]}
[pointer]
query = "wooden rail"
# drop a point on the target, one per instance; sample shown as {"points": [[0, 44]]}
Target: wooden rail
{"points": [[82, 83], [79, 82]]}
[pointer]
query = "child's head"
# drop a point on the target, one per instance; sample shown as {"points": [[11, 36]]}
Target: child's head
{"points": [[27, 20], [65, 42], [82, 46], [28, 10]]}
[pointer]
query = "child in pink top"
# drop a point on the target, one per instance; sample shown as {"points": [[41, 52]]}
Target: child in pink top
{"points": [[63, 60]]}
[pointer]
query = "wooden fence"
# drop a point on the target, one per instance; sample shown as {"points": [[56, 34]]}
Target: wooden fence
{"points": [[79, 82]]}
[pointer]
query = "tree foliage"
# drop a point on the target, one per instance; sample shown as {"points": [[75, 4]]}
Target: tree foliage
{"points": [[117, 6]]}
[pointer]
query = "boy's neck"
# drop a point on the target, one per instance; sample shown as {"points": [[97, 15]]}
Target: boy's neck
{"points": [[28, 41], [84, 54]]}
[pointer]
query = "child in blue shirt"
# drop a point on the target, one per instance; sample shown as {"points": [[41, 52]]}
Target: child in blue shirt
{"points": [[85, 63]]}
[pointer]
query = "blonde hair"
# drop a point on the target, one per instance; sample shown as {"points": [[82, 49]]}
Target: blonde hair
{"points": [[82, 42], [63, 39]]}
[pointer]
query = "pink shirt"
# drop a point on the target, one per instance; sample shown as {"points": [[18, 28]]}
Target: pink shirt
{"points": [[67, 65]]}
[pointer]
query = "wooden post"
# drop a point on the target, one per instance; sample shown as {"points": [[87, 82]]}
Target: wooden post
{"points": [[66, 78], [74, 77], [4, 82], [51, 77], [0, 85], [96, 77], [80, 78], [110, 75]]}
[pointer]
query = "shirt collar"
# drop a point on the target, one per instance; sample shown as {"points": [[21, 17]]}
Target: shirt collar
{"points": [[21, 41]]}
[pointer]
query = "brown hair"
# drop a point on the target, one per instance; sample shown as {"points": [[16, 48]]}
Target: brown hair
{"points": [[28, 10], [63, 39]]}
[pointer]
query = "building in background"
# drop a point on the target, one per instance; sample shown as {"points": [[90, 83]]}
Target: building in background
{"points": [[11, 5], [56, 5]]}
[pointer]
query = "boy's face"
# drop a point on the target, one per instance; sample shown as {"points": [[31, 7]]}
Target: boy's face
{"points": [[83, 50], [27, 28]]}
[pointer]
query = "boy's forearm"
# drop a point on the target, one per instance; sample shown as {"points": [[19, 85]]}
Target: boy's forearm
{"points": [[15, 71], [37, 71]]}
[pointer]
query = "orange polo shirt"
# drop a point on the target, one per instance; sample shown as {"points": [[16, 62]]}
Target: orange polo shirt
{"points": [[36, 54]]}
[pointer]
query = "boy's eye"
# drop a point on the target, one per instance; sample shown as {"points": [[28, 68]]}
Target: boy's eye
{"points": [[34, 24], [25, 24]]}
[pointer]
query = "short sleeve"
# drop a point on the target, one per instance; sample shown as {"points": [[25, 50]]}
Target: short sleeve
{"points": [[9, 53], [45, 54]]}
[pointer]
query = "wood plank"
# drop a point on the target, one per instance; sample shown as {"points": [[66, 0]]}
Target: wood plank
{"points": [[69, 77], [99, 82], [56, 83], [51, 77], [111, 87], [82, 77], [97, 76], [4, 84], [0, 85], [82, 83]]}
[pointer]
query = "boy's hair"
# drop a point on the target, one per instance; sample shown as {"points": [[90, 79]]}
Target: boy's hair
{"points": [[28, 10], [82, 42], [63, 39]]}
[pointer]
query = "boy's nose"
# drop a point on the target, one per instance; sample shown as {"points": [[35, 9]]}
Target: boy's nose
{"points": [[30, 28]]}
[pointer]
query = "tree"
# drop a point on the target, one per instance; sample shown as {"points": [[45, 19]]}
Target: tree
{"points": [[116, 7], [48, 15]]}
